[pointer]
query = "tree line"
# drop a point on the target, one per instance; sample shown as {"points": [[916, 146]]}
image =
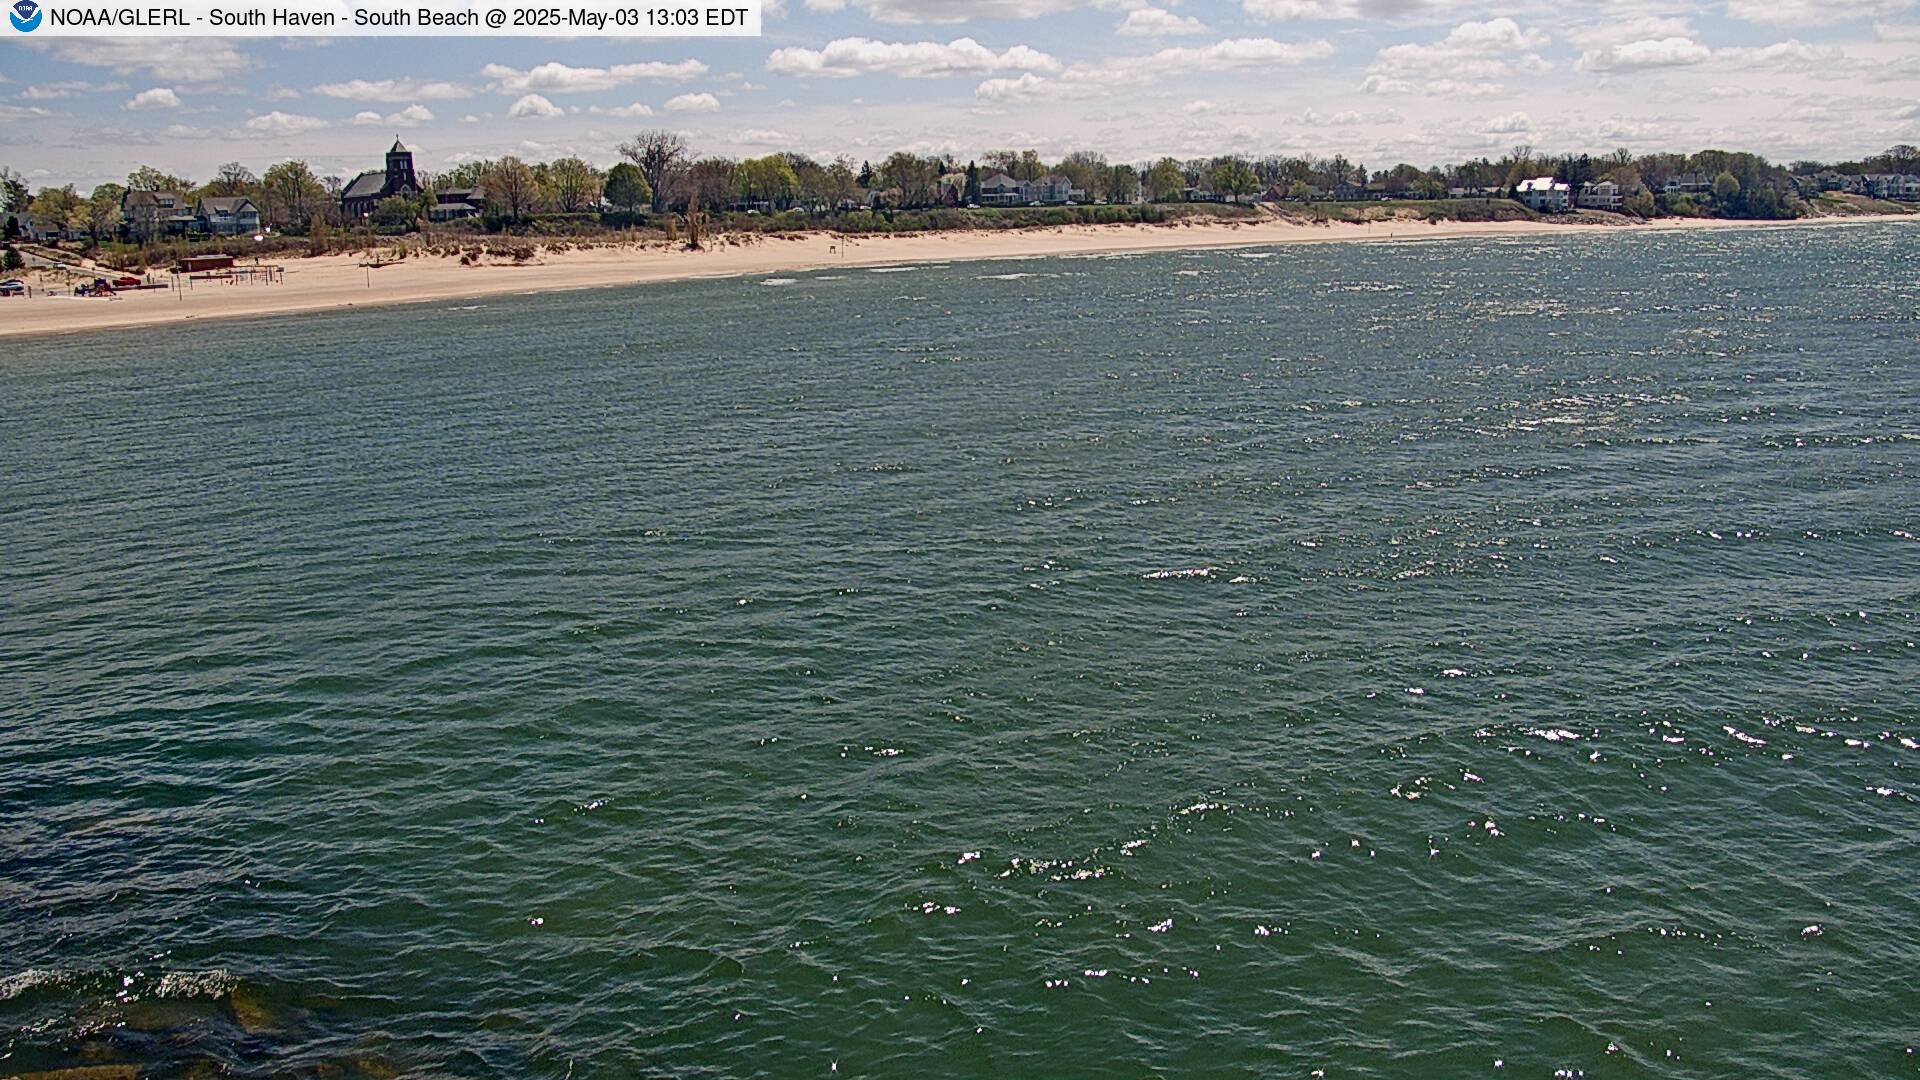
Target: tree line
{"points": [[659, 172]]}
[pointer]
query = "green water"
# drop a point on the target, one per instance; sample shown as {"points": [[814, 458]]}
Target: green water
{"points": [[1471, 658]]}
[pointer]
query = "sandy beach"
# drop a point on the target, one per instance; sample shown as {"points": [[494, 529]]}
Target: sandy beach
{"points": [[343, 281]]}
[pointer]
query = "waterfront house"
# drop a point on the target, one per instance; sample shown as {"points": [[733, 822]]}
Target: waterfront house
{"points": [[453, 204], [1687, 183], [227, 215], [365, 191], [1602, 195], [1054, 189], [1891, 186], [1002, 190], [1545, 194], [147, 214]]}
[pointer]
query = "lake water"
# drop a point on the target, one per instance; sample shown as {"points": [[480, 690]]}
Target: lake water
{"points": [[1469, 658]]}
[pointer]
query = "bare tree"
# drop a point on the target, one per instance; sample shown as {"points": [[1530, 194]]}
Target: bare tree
{"points": [[659, 154], [233, 178]]}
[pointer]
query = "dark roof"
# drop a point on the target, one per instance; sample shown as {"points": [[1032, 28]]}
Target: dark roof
{"points": [[366, 185], [147, 198], [397, 148], [227, 204]]}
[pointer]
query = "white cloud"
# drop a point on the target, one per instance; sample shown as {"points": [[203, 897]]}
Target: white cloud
{"points": [[1892, 32], [1023, 88], [1471, 52], [1514, 123], [1233, 54], [175, 59], [1159, 22], [693, 103], [411, 116], [278, 123], [533, 105], [393, 90], [157, 98], [624, 111], [847, 57], [185, 131], [1812, 12], [557, 78], [1434, 88], [956, 11], [1790, 55], [1644, 55], [1302, 10], [22, 112], [1641, 28], [763, 137], [1093, 80], [56, 91]]}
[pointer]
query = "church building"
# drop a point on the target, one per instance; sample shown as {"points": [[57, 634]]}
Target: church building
{"points": [[365, 192]]}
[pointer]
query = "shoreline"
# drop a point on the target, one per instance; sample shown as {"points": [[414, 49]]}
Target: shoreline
{"points": [[340, 282]]}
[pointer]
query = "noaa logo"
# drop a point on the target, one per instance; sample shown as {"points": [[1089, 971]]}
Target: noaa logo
{"points": [[25, 15]]}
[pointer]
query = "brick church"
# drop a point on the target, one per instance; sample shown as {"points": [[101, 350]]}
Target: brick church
{"points": [[365, 192]]}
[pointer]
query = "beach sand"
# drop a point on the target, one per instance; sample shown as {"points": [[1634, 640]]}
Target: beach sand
{"points": [[341, 281]]}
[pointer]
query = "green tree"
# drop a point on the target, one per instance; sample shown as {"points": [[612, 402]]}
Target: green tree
{"points": [[13, 190], [770, 179], [1640, 204], [626, 187], [1726, 187], [292, 194], [148, 178], [396, 213], [1164, 180], [512, 188], [11, 260], [1233, 178], [1123, 184], [58, 206], [575, 184], [103, 210]]}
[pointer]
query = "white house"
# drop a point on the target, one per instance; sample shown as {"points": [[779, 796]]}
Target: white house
{"points": [[1545, 194]]}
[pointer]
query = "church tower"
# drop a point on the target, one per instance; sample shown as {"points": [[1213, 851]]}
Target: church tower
{"points": [[400, 170]]}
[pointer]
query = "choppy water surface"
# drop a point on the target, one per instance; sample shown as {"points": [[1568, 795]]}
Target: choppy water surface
{"points": [[1469, 658]]}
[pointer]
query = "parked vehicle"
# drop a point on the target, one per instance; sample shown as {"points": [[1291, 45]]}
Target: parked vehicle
{"points": [[13, 287]]}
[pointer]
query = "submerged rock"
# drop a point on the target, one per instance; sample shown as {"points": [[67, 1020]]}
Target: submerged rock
{"points": [[82, 1072]]}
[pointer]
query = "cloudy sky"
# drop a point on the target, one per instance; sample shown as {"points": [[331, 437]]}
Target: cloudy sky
{"points": [[1382, 81]]}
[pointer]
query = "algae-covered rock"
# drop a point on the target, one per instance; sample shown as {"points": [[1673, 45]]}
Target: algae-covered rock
{"points": [[82, 1072], [252, 1011]]}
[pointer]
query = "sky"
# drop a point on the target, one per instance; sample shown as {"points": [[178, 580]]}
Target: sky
{"points": [[1382, 81]]}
